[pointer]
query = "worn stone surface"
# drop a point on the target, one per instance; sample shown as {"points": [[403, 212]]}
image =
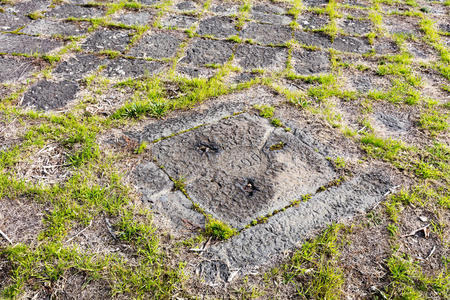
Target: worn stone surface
{"points": [[132, 68], [157, 45], [260, 244], [356, 26], [218, 26], [308, 62], [52, 27], [178, 21], [316, 39], [13, 43], [254, 57], [101, 40], [232, 173], [266, 33], [46, 95], [11, 22], [78, 66], [65, 11], [313, 20], [205, 51], [134, 18], [157, 192], [15, 69]]}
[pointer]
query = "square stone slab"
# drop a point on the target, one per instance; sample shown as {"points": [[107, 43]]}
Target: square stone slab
{"points": [[157, 45], [115, 40], [351, 44], [356, 26], [178, 21], [311, 20], [134, 18], [218, 26], [317, 39], [65, 11], [15, 68], [232, 172], [46, 95], [52, 27], [132, 68], [310, 62], [15, 43], [206, 51], [77, 67], [254, 57], [11, 22], [266, 33]]}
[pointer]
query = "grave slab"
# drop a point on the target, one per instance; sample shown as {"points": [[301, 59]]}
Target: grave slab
{"points": [[265, 243], [232, 172]]}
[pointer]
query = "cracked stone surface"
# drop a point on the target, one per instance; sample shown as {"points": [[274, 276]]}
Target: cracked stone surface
{"points": [[257, 245]]}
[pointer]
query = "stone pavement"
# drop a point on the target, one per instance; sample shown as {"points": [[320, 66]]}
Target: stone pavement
{"points": [[275, 184]]}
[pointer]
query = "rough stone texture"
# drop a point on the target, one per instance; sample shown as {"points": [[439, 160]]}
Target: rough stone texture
{"points": [[308, 62], [77, 67], [316, 39], [386, 46], [270, 14], [46, 95], [312, 20], [26, 7], [195, 72], [217, 26], [157, 191], [223, 8], [315, 3], [134, 18], [253, 57], [13, 43], [132, 68], [11, 22], [263, 243], [15, 69], [185, 6], [351, 44], [266, 33], [51, 27], [157, 45], [178, 21], [205, 51], [75, 11], [114, 40], [232, 173], [402, 25], [356, 26]]}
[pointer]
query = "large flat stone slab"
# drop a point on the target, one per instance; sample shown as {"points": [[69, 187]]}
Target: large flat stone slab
{"points": [[255, 57], [265, 243], [206, 51], [218, 26], [232, 172], [78, 66], [54, 27], [157, 45], [114, 40], [18, 43], [47, 95], [267, 33], [132, 68]]}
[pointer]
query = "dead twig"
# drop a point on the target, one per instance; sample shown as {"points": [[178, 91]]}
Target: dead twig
{"points": [[5, 237], [431, 253], [425, 231], [79, 232], [110, 229]]}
